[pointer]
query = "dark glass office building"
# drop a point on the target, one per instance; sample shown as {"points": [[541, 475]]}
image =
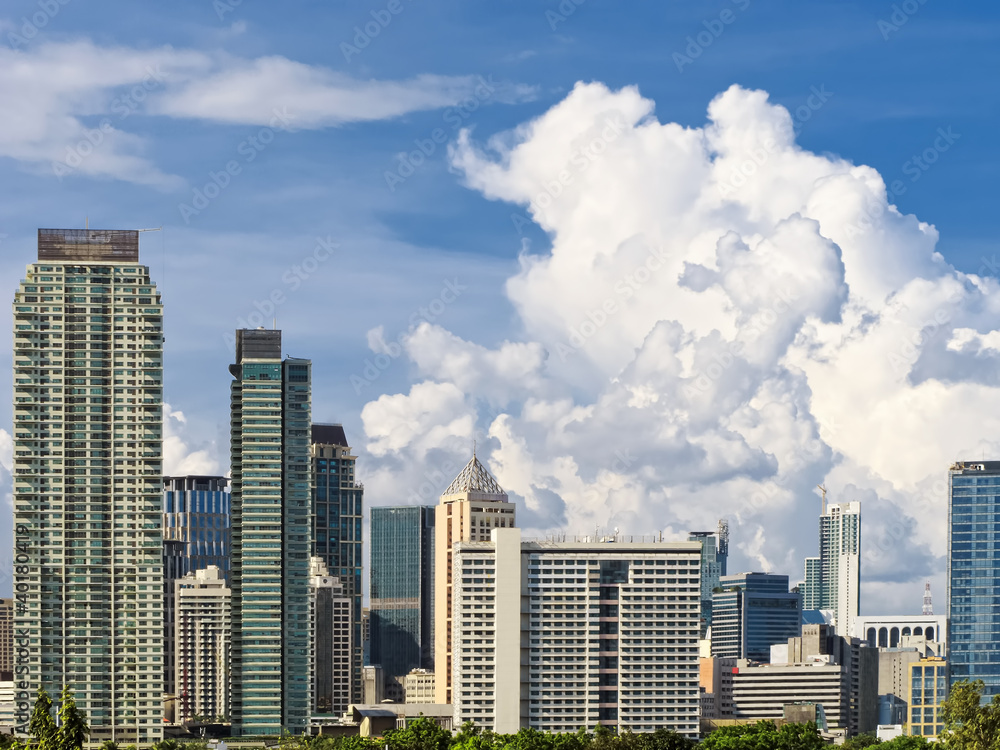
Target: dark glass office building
{"points": [[337, 507], [753, 612], [402, 591], [974, 573]]}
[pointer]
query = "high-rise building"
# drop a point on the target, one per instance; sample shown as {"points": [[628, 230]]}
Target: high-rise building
{"points": [[833, 580], [402, 591], [88, 493], [714, 555], [558, 635], [202, 651], [470, 508], [6, 639], [173, 569], [271, 536], [337, 502], [751, 613], [330, 613], [973, 517], [196, 511]]}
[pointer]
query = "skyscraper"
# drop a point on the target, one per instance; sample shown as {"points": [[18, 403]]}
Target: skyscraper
{"points": [[402, 591], [337, 503], [973, 558], [196, 511], [714, 556], [202, 627], [470, 508], [88, 466], [330, 612], [833, 580], [271, 515], [751, 613]]}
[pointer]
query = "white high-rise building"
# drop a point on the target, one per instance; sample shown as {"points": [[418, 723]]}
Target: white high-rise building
{"points": [[88, 492], [202, 624], [558, 635], [833, 580]]}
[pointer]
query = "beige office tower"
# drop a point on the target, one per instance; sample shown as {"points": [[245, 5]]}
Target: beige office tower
{"points": [[471, 507], [202, 624], [88, 483]]}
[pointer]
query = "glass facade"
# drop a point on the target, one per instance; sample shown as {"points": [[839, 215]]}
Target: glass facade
{"points": [[714, 554], [271, 513], [196, 511], [974, 573], [402, 598], [338, 514], [88, 494], [753, 612]]}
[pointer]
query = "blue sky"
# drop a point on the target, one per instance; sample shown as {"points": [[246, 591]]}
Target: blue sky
{"points": [[888, 90]]}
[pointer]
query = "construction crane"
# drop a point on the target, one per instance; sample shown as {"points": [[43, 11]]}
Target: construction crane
{"points": [[822, 489]]}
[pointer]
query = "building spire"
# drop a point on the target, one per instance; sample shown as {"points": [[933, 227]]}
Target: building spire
{"points": [[928, 605]]}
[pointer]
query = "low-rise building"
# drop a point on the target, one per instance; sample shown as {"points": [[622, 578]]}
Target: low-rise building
{"points": [[418, 686]]}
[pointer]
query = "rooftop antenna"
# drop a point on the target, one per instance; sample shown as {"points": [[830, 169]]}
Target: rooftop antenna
{"points": [[86, 223], [928, 605], [822, 489], [473, 447]]}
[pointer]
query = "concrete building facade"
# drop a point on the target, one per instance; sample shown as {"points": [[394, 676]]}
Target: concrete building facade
{"points": [[331, 618], [886, 631], [558, 635], [470, 508], [928, 689], [833, 580], [271, 536], [202, 625], [338, 500], [6, 639], [88, 493], [418, 686]]}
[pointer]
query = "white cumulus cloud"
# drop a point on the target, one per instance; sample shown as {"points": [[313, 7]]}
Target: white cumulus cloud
{"points": [[701, 342]]}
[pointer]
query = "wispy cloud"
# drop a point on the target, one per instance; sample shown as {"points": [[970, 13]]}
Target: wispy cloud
{"points": [[72, 98]]}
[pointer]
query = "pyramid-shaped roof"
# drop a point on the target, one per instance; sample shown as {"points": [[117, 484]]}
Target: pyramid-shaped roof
{"points": [[474, 478]]}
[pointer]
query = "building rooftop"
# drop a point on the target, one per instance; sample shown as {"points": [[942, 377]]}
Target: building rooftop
{"points": [[120, 245], [474, 478], [329, 434], [976, 467]]}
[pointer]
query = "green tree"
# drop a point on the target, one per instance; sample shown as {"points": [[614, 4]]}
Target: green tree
{"points": [[166, 745], [73, 728], [42, 726], [968, 724], [906, 742], [764, 735], [109, 745], [861, 741], [419, 734]]}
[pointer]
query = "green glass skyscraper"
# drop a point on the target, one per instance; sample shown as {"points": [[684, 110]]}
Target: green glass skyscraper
{"points": [[88, 465], [271, 508]]}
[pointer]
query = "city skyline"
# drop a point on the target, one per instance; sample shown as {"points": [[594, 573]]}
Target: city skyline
{"points": [[487, 300]]}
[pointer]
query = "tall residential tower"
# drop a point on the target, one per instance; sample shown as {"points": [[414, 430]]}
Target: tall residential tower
{"points": [[470, 508], [88, 466], [271, 517], [833, 579]]}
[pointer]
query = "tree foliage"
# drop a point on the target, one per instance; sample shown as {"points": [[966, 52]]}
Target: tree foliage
{"points": [[42, 725], [73, 728], [968, 724], [764, 735]]}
